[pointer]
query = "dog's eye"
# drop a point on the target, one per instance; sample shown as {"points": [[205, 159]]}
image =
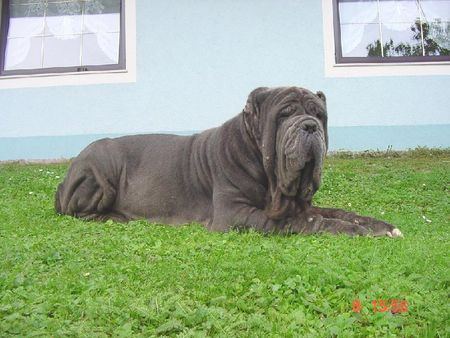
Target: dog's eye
{"points": [[286, 112], [321, 116]]}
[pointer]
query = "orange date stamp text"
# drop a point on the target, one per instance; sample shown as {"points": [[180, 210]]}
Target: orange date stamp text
{"points": [[382, 305]]}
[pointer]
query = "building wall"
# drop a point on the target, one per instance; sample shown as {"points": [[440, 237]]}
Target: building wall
{"points": [[197, 60]]}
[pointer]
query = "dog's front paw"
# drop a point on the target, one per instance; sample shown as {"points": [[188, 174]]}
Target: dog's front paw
{"points": [[394, 233]]}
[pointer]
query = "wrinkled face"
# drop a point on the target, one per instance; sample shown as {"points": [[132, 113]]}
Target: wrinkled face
{"points": [[301, 142], [291, 127], [301, 148]]}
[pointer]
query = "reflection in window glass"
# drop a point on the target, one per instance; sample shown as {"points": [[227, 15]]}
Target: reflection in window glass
{"points": [[400, 40], [436, 17], [394, 28], [356, 37], [435, 10], [352, 11], [398, 11], [69, 33]]}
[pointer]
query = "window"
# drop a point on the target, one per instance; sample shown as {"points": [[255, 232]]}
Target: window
{"points": [[391, 31], [58, 36]]}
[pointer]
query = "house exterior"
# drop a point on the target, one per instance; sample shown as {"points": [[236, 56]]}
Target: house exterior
{"points": [[187, 65]]}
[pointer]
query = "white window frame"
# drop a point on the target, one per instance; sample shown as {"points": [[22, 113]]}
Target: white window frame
{"points": [[89, 77], [333, 69]]}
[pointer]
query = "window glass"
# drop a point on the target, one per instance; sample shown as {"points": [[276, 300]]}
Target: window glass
{"points": [[394, 28], [62, 33], [356, 38], [102, 16], [436, 22], [358, 11], [401, 40], [100, 48], [101, 27], [24, 53], [398, 11], [26, 20], [61, 51], [359, 26], [436, 10], [64, 18]]}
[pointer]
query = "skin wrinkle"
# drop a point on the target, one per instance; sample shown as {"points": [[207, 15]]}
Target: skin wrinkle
{"points": [[282, 205], [298, 147], [251, 180], [199, 169]]}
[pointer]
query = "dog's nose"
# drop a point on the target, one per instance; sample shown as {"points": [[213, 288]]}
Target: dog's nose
{"points": [[310, 126]]}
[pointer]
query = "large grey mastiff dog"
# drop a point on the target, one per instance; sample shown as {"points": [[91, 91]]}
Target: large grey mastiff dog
{"points": [[258, 170]]}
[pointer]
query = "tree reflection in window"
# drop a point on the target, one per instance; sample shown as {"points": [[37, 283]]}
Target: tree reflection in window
{"points": [[397, 30], [431, 39]]}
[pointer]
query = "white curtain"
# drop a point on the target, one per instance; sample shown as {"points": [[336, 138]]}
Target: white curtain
{"points": [[21, 29], [64, 27], [102, 25]]}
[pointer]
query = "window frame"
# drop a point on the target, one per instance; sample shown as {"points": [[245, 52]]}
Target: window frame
{"points": [[373, 59], [4, 26]]}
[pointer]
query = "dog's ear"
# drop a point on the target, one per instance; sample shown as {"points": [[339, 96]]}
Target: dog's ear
{"points": [[254, 100], [252, 111], [322, 96]]}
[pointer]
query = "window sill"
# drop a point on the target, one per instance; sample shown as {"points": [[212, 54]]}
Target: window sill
{"points": [[67, 79], [387, 69]]}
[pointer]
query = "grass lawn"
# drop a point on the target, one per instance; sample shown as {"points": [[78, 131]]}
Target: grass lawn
{"points": [[60, 276]]}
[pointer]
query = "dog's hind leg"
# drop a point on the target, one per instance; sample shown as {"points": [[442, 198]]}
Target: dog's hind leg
{"points": [[87, 193]]}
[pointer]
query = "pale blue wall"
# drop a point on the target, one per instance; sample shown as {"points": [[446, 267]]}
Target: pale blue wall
{"points": [[198, 60]]}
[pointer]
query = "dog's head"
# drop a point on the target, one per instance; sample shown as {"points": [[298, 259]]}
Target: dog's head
{"points": [[289, 125]]}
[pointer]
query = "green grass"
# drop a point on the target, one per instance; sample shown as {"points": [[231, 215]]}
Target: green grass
{"points": [[60, 276]]}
